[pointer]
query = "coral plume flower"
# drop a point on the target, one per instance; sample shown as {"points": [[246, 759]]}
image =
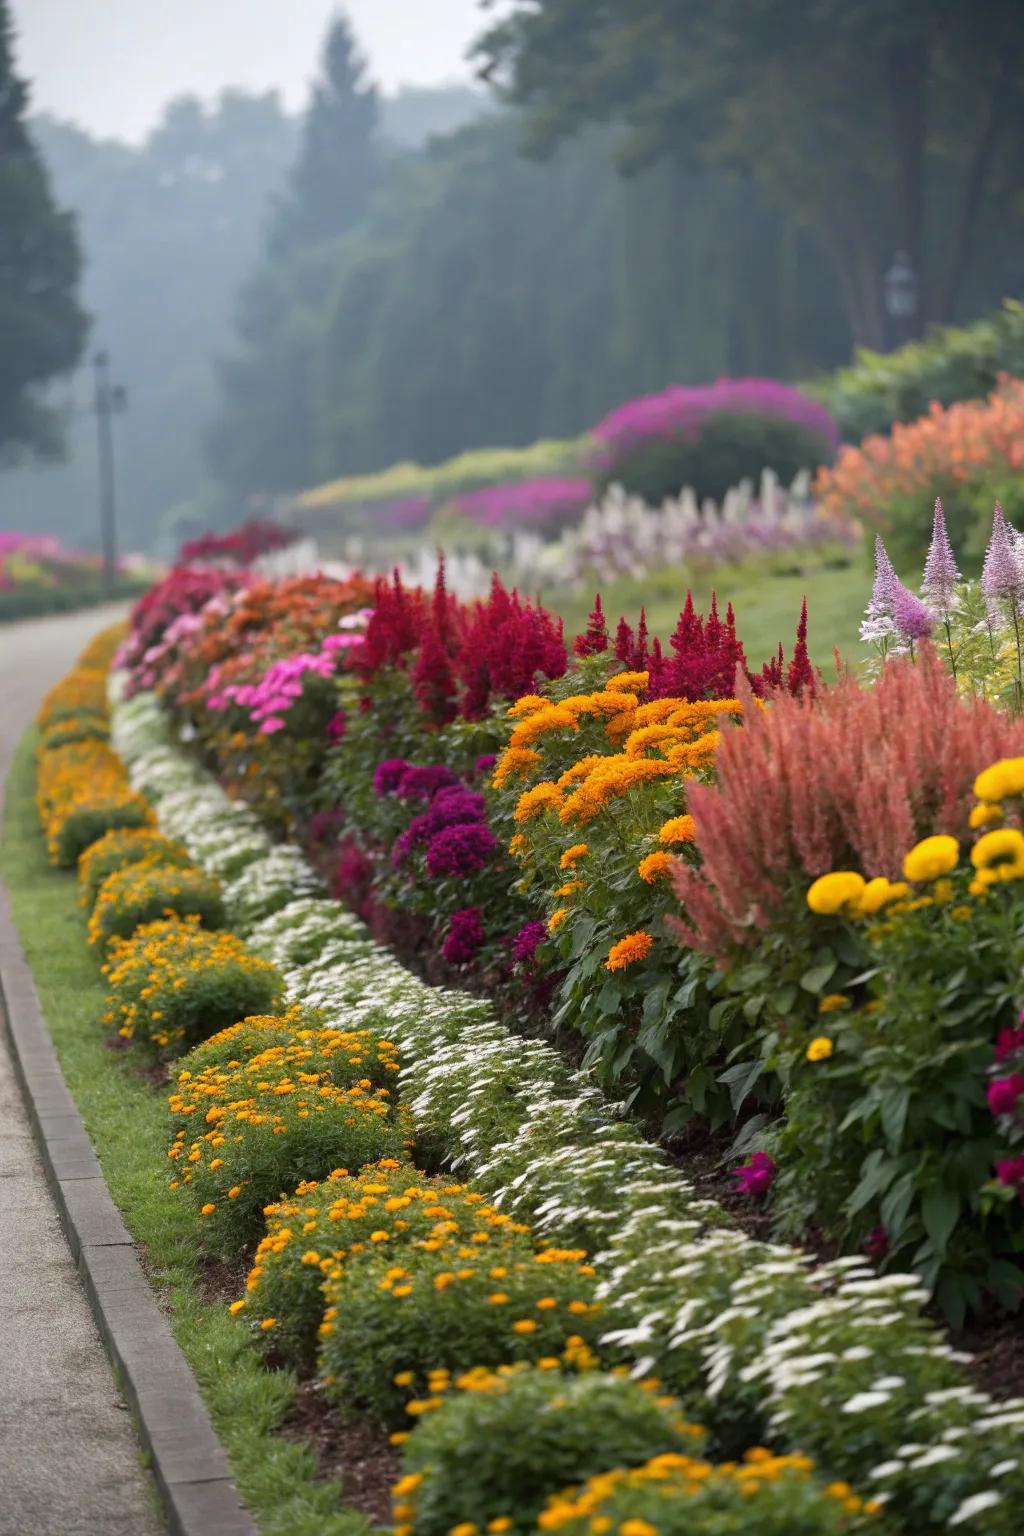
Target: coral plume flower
{"points": [[634, 947]]}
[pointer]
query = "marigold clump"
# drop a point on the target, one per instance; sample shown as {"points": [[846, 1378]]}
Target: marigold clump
{"points": [[835, 892], [931, 858], [654, 867], [542, 797], [820, 1049], [629, 951]]}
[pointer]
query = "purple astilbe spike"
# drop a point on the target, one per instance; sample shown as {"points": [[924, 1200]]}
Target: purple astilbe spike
{"points": [[914, 620], [941, 576], [1001, 576], [883, 593]]}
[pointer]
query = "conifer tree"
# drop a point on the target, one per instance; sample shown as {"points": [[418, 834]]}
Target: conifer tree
{"points": [[42, 327]]}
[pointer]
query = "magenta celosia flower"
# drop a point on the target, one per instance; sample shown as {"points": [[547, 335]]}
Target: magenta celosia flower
{"points": [[336, 727], [1008, 1043], [757, 1174], [388, 774], [941, 576], [1001, 577], [527, 942], [876, 1244], [461, 851], [912, 618], [1011, 1171], [465, 936], [484, 763], [422, 783], [1004, 1093]]}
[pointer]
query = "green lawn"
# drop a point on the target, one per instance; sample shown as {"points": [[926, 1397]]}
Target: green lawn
{"points": [[127, 1122], [767, 606]]}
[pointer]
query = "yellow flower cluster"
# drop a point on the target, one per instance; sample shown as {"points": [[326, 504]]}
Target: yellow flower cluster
{"points": [[82, 691], [611, 1501], [82, 791], [120, 847], [1002, 781], [172, 981], [322, 1088], [144, 892]]}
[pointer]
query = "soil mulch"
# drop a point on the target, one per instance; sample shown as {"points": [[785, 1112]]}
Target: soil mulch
{"points": [[223, 1280], [998, 1351], [352, 1452]]}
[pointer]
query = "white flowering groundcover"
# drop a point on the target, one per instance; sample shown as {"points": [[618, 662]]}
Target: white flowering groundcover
{"points": [[758, 1338]]}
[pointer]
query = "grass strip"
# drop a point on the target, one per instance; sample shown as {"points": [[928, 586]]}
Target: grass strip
{"points": [[276, 1476]]}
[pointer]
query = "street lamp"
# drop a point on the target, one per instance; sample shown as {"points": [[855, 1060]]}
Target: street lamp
{"points": [[902, 293], [108, 400]]}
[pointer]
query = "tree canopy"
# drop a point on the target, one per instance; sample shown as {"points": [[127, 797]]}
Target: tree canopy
{"points": [[42, 325], [883, 127]]}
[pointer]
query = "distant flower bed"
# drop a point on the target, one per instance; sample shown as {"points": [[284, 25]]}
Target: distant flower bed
{"points": [[39, 575], [241, 546], [530, 503]]}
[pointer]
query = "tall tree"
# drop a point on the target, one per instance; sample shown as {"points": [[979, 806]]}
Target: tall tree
{"points": [[866, 121], [338, 167], [260, 441], [42, 327]]}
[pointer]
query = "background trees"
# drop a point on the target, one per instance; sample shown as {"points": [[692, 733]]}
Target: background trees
{"points": [[42, 327]]}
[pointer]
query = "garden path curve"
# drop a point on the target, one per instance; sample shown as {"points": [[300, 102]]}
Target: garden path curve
{"points": [[69, 1459]]}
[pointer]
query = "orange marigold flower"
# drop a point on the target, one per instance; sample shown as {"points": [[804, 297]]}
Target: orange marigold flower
{"points": [[542, 797], [679, 829], [571, 857], [627, 682], [514, 761], [653, 867], [556, 918], [634, 947]]}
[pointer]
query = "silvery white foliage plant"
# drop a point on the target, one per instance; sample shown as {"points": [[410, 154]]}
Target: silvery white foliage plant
{"points": [[759, 1337]]}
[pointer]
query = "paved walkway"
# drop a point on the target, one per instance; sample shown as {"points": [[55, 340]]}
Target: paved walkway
{"points": [[69, 1459]]}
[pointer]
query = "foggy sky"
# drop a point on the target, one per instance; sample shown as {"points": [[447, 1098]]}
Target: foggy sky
{"points": [[111, 65]]}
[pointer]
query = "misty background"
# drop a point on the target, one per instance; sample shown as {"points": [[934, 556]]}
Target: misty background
{"points": [[314, 247]]}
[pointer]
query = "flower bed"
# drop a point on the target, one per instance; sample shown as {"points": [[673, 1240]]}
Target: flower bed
{"points": [[830, 1358]]}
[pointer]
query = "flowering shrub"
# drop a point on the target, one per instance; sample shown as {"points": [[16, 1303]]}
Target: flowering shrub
{"points": [[346, 1219], [489, 1300], [969, 453], [81, 793], [773, 1495], [142, 893], [888, 1135], [711, 437], [526, 503], [173, 982], [500, 1443], [293, 1109], [117, 849]]}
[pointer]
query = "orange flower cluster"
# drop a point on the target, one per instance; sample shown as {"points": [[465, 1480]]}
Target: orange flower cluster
{"points": [[952, 443]]}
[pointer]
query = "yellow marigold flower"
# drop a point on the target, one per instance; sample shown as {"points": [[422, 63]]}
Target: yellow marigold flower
{"points": [[679, 829], [627, 682], [234, 1191], [820, 1049], [931, 858], [993, 849], [985, 816], [528, 704], [501, 1523], [557, 918], [571, 857], [637, 1527], [268, 1323], [833, 1001], [208, 1209], [831, 893], [404, 1378], [517, 845], [524, 1325], [879, 892], [1001, 780], [542, 797], [236, 1307], [634, 947], [653, 867], [514, 761], [569, 888], [464, 1528]]}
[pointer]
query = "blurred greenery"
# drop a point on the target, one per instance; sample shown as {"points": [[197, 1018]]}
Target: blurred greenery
{"points": [[767, 606]]}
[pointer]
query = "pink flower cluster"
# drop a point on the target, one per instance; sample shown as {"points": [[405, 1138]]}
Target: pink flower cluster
{"points": [[683, 412], [269, 700]]}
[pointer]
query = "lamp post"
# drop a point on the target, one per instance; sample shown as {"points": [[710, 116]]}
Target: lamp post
{"points": [[902, 295], [108, 399]]}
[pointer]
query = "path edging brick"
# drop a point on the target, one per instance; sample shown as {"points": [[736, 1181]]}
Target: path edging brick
{"points": [[186, 1457]]}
